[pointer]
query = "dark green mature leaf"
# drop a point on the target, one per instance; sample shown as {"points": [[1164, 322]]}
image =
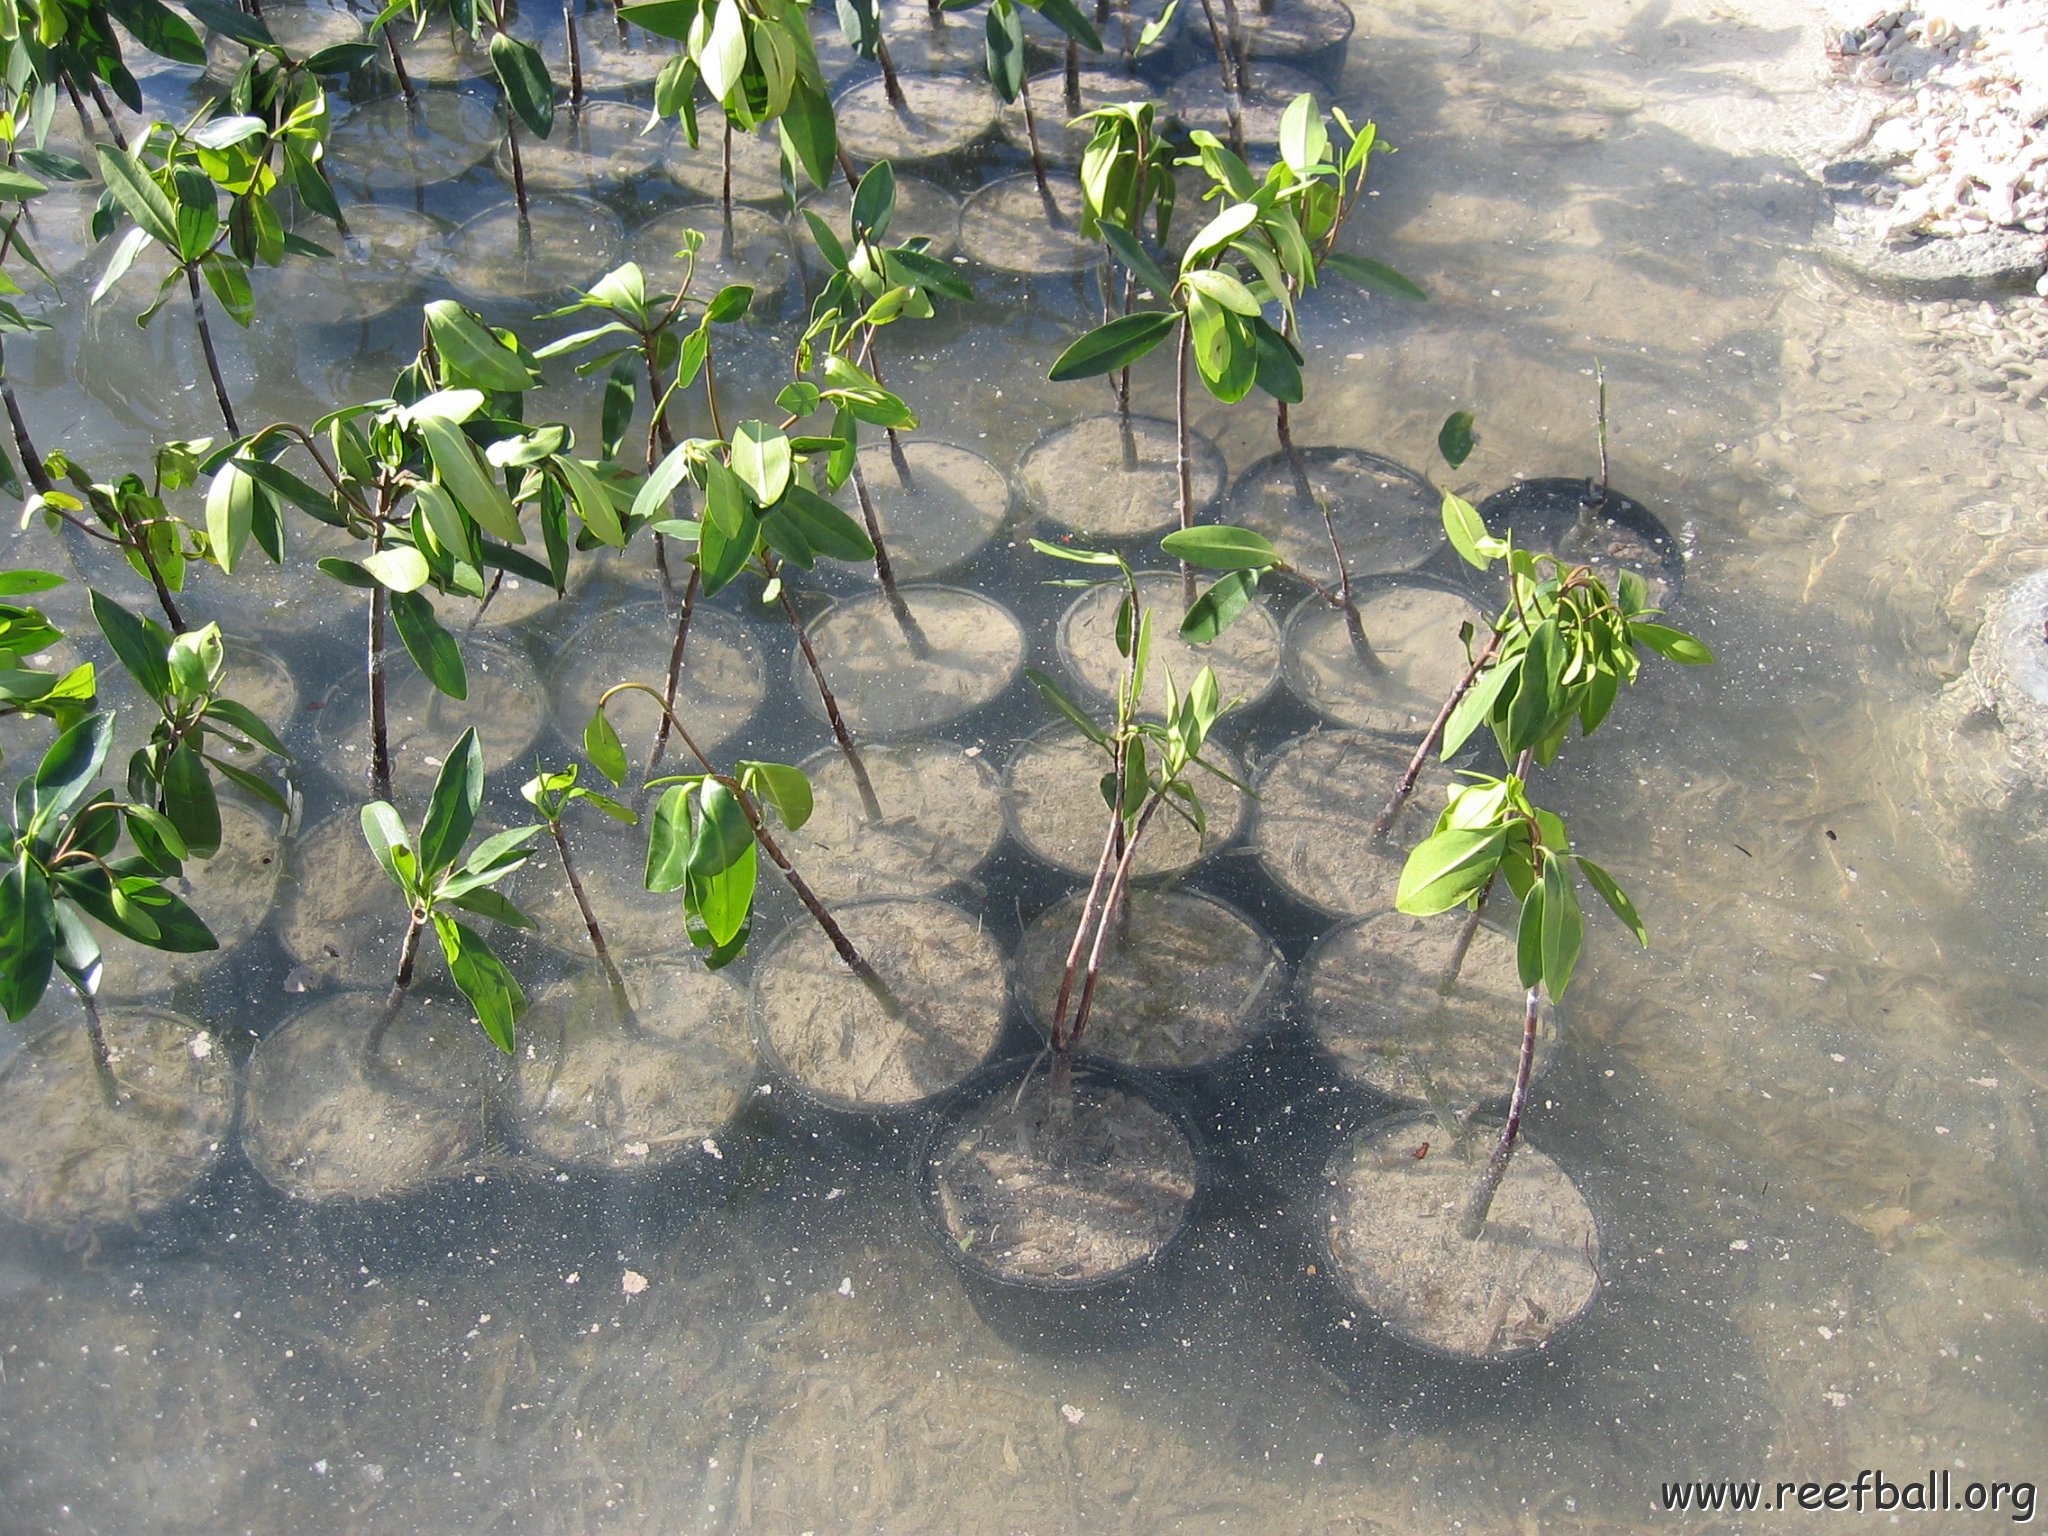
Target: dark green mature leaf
{"points": [[1454, 442], [431, 647], [389, 841], [495, 905], [783, 787], [458, 468], [1276, 370], [723, 833], [1219, 607], [825, 527], [1529, 937], [1673, 644], [189, 800], [1221, 547], [668, 840], [1374, 274], [482, 978], [28, 937], [1137, 260], [810, 130], [671, 19], [470, 354], [141, 646], [653, 500], [159, 29], [230, 20], [452, 807], [1115, 345], [1448, 868], [68, 768], [341, 58], [1616, 898], [78, 950], [874, 201], [139, 196], [1564, 927], [1057, 697], [524, 75], [1003, 48], [1065, 15], [721, 557], [230, 514], [1477, 706], [592, 501], [26, 583], [155, 917]]}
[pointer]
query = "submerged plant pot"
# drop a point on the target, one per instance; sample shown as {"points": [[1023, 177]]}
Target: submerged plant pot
{"points": [[887, 687], [1062, 1208], [1118, 478], [301, 30], [1187, 982], [830, 1041], [338, 918], [924, 210], [593, 153], [756, 165], [1052, 802], [942, 114], [941, 819], [1412, 631], [506, 704], [1388, 518], [1199, 100], [611, 861], [1245, 657], [2009, 672], [751, 249], [938, 505], [601, 1092], [1310, 34], [71, 1165], [560, 245], [1567, 518], [322, 1126], [1061, 138], [1391, 1256], [1014, 225], [722, 681], [390, 145], [1371, 995], [1318, 797], [387, 259]]}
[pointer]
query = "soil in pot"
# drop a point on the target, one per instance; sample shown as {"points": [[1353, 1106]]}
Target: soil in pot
{"points": [[440, 56], [1060, 138], [886, 687], [1568, 518], [1413, 632], [1110, 477], [611, 861], [756, 165], [612, 65], [938, 506], [822, 1030], [517, 599], [341, 921], [1186, 980], [506, 704], [319, 1124], [942, 114], [1388, 519], [1391, 1234], [722, 681], [921, 42], [751, 249], [301, 30], [387, 145], [1122, 33], [1052, 802], [387, 258], [1013, 225], [1371, 993], [1246, 656], [561, 244], [70, 1165], [1199, 100], [592, 153], [941, 819], [1318, 799], [923, 210], [1295, 30], [605, 1092], [1069, 1185]]}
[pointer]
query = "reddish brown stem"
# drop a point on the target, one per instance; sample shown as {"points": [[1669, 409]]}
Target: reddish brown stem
{"points": [[1480, 1201]]}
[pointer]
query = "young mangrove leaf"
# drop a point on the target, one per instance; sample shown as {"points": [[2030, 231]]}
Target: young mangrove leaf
{"points": [[1116, 345]]}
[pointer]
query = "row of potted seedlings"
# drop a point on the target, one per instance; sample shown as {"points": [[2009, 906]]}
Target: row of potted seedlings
{"points": [[1071, 1172]]}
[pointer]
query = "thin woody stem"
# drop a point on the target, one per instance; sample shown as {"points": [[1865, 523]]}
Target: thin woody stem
{"points": [[1089, 908], [380, 742], [1111, 905], [1433, 735], [1182, 462], [102, 1059], [675, 667], [220, 388], [604, 955], [870, 805], [395, 998], [1480, 1201]]}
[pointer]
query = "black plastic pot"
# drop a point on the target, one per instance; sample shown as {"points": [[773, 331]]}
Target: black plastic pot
{"points": [[1568, 518], [1122, 1307]]}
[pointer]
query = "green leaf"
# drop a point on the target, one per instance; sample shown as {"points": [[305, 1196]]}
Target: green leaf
{"points": [[809, 128], [874, 201], [1449, 868], [723, 833], [27, 583], [1375, 275], [1564, 927], [452, 807], [1616, 898], [189, 800], [431, 647], [668, 840], [602, 746], [729, 303], [723, 56], [155, 917], [760, 457], [781, 786], [1077, 555], [652, 502], [524, 76], [1275, 369], [482, 978], [1304, 141], [388, 840], [28, 936], [1477, 706], [401, 567], [825, 527], [470, 354], [1219, 607], [340, 58], [1466, 529], [1454, 442], [1137, 260], [68, 768], [459, 469], [720, 556], [1673, 644], [1065, 15], [1220, 547], [139, 195], [1224, 290], [1003, 49], [1529, 937], [1057, 696], [140, 645], [1115, 345], [724, 901], [485, 902], [592, 501], [1217, 233], [229, 20]]}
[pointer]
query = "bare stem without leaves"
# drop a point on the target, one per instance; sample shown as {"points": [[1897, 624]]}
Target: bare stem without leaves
{"points": [[1480, 1201]]}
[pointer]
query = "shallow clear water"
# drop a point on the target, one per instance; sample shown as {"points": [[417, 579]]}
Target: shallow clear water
{"points": [[1811, 1117]]}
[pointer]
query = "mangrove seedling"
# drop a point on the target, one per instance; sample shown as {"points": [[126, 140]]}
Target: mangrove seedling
{"points": [[551, 792], [860, 23], [63, 697], [1150, 763], [439, 881], [130, 514], [1127, 182], [1003, 34], [702, 838], [60, 863], [73, 46]]}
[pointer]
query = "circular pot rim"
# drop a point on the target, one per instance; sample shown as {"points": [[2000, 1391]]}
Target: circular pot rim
{"points": [[1624, 509]]}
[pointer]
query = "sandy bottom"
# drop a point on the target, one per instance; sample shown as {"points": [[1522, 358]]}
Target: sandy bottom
{"points": [[1318, 798], [1245, 657], [1393, 1232], [1414, 633], [886, 689], [1387, 519], [1060, 138], [342, 919], [384, 146], [1007, 225], [1053, 800], [593, 151], [756, 164], [1200, 101], [564, 243], [753, 250], [1078, 477], [941, 818], [721, 684], [1066, 1186], [952, 503], [826, 1029], [942, 113]]}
